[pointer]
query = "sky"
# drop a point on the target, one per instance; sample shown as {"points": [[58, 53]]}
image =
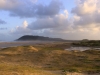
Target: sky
{"points": [[66, 19]]}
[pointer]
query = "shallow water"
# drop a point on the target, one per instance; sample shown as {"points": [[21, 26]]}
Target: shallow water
{"points": [[78, 48], [81, 48]]}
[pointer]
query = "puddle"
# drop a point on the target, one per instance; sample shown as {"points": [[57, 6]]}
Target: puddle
{"points": [[81, 48]]}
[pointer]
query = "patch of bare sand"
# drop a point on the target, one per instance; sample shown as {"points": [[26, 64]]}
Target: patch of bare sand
{"points": [[33, 48]]}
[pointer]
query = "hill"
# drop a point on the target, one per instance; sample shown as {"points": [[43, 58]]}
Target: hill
{"points": [[41, 38]]}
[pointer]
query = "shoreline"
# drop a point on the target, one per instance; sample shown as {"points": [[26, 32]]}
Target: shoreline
{"points": [[22, 43]]}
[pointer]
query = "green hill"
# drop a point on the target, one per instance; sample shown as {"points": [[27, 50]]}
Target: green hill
{"points": [[42, 38]]}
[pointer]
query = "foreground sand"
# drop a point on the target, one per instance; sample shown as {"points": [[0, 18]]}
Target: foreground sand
{"points": [[49, 58]]}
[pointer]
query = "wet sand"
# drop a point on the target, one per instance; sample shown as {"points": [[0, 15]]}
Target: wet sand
{"points": [[22, 43]]}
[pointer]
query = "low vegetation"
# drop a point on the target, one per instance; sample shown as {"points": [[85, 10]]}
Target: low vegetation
{"points": [[88, 43], [47, 59]]}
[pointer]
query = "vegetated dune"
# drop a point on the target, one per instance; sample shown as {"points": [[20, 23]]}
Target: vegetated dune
{"points": [[18, 50], [48, 59]]}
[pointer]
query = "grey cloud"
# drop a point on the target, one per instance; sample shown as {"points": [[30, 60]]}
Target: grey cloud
{"points": [[52, 9], [57, 22], [96, 17], [23, 11], [25, 8], [42, 24], [88, 12], [2, 22], [77, 11], [85, 7], [87, 20]]}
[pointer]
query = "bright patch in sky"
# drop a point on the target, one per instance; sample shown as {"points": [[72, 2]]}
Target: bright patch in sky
{"points": [[67, 19]]}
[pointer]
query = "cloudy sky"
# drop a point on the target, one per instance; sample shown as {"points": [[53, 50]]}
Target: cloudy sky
{"points": [[67, 19]]}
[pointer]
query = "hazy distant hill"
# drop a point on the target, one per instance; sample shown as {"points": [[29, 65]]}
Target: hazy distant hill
{"points": [[42, 38]]}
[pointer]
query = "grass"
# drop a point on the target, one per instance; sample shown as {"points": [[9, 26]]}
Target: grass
{"points": [[22, 70], [46, 58]]}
